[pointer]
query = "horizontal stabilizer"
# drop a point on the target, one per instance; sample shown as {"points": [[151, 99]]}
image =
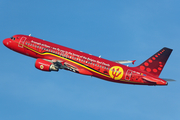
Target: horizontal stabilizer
{"points": [[168, 79], [124, 61]]}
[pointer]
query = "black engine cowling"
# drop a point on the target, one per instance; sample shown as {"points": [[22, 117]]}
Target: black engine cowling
{"points": [[45, 65]]}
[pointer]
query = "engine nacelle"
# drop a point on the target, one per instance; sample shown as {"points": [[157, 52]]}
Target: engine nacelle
{"points": [[45, 65]]}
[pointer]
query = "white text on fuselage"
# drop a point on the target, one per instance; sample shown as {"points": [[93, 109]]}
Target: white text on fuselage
{"points": [[62, 52]]}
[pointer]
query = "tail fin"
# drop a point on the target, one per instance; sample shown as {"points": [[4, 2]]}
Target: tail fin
{"points": [[156, 63]]}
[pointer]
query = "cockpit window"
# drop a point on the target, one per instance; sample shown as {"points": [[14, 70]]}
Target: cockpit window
{"points": [[12, 38]]}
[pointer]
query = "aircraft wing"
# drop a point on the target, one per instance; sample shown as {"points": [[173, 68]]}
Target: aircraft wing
{"points": [[71, 67], [64, 65], [124, 61]]}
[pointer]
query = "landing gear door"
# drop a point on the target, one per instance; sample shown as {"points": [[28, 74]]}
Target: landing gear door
{"points": [[21, 42]]}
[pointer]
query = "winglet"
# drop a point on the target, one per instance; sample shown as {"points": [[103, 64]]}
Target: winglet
{"points": [[133, 61]]}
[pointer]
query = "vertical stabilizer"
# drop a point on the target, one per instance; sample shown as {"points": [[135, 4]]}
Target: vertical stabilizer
{"points": [[156, 63]]}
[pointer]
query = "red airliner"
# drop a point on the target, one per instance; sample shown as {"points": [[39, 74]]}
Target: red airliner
{"points": [[52, 57]]}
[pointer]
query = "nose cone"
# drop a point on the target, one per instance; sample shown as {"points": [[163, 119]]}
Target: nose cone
{"points": [[6, 42]]}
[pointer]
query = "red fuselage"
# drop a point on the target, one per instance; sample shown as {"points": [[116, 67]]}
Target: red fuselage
{"points": [[80, 62]]}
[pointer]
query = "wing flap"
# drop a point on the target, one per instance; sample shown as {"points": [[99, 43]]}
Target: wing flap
{"points": [[71, 67]]}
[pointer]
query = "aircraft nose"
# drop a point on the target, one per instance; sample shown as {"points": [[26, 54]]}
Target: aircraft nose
{"points": [[6, 42]]}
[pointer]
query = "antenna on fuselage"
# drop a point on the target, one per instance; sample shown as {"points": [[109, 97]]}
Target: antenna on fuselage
{"points": [[29, 34], [100, 56]]}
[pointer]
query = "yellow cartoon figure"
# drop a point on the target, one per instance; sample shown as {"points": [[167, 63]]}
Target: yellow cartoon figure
{"points": [[116, 72]]}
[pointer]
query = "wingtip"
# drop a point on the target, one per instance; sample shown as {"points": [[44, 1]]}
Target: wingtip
{"points": [[133, 61]]}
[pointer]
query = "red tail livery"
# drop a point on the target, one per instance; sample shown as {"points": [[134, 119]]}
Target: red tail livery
{"points": [[155, 63]]}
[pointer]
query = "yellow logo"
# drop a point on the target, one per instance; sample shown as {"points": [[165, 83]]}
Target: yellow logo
{"points": [[41, 66], [116, 72]]}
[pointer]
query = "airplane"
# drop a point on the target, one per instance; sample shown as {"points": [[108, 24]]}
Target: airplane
{"points": [[52, 57]]}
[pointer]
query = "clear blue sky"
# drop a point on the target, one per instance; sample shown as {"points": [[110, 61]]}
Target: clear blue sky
{"points": [[114, 29]]}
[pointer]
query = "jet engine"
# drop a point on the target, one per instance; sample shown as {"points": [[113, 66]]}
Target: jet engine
{"points": [[44, 65]]}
